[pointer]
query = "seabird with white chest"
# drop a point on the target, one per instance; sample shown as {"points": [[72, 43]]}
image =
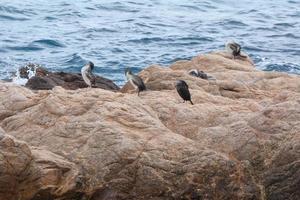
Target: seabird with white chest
{"points": [[136, 81], [234, 49], [87, 75]]}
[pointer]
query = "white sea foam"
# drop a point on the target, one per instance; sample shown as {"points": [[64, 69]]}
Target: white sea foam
{"points": [[22, 81]]}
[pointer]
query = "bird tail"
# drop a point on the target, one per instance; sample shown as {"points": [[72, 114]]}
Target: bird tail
{"points": [[191, 102], [142, 88]]}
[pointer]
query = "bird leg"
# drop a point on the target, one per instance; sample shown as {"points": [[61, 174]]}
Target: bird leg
{"points": [[138, 93]]}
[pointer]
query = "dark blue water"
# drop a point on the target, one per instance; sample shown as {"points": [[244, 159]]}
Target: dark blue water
{"points": [[63, 35]]}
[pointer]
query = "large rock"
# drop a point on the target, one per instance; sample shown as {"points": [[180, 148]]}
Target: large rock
{"points": [[32, 173], [239, 141], [45, 80]]}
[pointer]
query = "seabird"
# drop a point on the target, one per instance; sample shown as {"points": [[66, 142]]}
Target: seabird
{"points": [[198, 73], [183, 91], [135, 81], [234, 49], [87, 75]]}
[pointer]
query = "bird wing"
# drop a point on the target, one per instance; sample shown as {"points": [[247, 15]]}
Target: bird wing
{"points": [[193, 73], [185, 85], [202, 75], [184, 93], [238, 48], [139, 82], [235, 47], [91, 77]]}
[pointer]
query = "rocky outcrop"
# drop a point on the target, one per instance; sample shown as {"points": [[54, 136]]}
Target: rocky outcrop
{"points": [[239, 141], [33, 173], [45, 80]]}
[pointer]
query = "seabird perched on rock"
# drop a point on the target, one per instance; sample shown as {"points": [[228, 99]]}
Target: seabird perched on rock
{"points": [[135, 81], [87, 75], [198, 73], [234, 49], [183, 90]]}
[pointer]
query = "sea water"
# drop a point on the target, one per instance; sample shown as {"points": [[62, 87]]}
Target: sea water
{"points": [[63, 35]]}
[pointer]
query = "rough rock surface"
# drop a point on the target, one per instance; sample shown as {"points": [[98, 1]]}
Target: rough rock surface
{"points": [[45, 80], [31, 173], [241, 139]]}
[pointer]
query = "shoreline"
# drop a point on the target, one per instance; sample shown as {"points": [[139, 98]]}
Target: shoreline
{"points": [[238, 141], [29, 69]]}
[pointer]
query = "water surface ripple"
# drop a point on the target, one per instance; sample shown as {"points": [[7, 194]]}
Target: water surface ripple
{"points": [[63, 35]]}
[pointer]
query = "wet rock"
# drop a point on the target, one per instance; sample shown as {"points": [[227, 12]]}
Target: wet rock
{"points": [[41, 83], [30, 68], [45, 80]]}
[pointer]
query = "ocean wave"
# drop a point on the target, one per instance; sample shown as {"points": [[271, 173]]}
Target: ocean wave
{"points": [[119, 8], [196, 38], [15, 11], [101, 30], [148, 40], [113, 34], [74, 59], [12, 18], [232, 23], [285, 24], [21, 80], [144, 25], [24, 48], [287, 35], [284, 67], [48, 43], [50, 18], [193, 7]]}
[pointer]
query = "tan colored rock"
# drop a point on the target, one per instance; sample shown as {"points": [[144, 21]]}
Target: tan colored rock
{"points": [[32, 173], [283, 170], [230, 78], [15, 157], [239, 141]]}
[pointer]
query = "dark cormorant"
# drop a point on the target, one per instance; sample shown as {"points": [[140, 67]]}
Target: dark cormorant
{"points": [[183, 91]]}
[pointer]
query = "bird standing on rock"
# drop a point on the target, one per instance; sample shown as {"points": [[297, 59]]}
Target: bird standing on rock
{"points": [[183, 90], [87, 75], [234, 49], [135, 81]]}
